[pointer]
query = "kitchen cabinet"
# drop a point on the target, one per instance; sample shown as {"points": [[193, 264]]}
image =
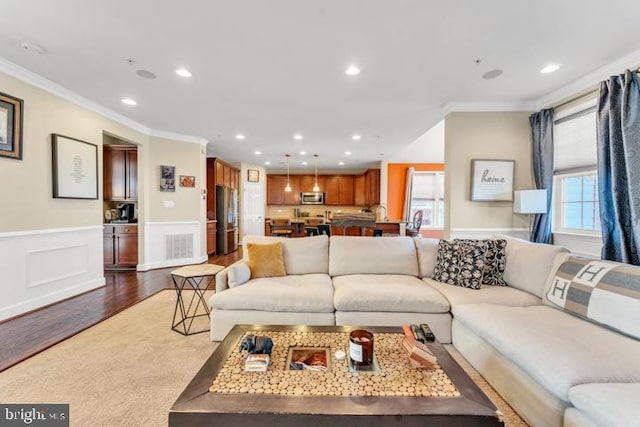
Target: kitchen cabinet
{"points": [[219, 173], [308, 181], [339, 190], [120, 171], [275, 190], [120, 246], [372, 187], [359, 194], [211, 237]]}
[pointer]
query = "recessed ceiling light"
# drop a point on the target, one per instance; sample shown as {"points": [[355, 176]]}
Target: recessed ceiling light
{"points": [[550, 68], [146, 74], [239, 136], [352, 70], [183, 72], [347, 153], [492, 74], [267, 163], [341, 163], [128, 101], [304, 163], [356, 137], [297, 136], [302, 153], [257, 152]]}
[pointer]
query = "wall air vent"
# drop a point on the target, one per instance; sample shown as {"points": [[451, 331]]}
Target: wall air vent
{"points": [[178, 246]]}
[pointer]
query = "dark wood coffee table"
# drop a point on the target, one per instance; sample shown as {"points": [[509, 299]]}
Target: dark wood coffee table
{"points": [[196, 406]]}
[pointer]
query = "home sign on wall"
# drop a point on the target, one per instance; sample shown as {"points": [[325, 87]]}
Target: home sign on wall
{"points": [[492, 180]]}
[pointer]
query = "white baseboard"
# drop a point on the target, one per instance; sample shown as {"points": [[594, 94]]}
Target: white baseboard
{"points": [[40, 267]]}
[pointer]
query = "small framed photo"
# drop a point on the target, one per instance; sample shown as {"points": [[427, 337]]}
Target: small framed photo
{"points": [[492, 180], [167, 178], [187, 181], [253, 175], [10, 126], [75, 168]]}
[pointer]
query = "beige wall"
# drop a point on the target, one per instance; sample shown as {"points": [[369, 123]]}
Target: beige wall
{"points": [[188, 159], [26, 190], [495, 135]]}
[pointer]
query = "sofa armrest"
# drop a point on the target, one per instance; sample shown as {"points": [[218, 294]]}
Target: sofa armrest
{"points": [[222, 278]]}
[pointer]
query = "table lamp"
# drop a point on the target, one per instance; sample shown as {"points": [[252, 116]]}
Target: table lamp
{"points": [[530, 202]]}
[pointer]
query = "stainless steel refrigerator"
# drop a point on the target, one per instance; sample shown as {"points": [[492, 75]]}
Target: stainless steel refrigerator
{"points": [[227, 216]]}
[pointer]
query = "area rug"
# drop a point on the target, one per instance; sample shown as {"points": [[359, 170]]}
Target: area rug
{"points": [[125, 371], [129, 369]]}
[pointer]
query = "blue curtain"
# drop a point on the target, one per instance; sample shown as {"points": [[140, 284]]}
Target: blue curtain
{"points": [[618, 123], [542, 139]]}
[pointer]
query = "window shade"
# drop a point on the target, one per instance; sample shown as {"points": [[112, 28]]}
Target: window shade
{"points": [[574, 143]]}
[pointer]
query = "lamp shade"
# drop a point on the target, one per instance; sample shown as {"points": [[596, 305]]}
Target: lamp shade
{"points": [[530, 201]]}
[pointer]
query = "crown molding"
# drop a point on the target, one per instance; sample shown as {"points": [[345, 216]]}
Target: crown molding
{"points": [[53, 88], [459, 107], [178, 137], [589, 81]]}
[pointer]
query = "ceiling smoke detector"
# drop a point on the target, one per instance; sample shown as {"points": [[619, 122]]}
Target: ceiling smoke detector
{"points": [[33, 48]]}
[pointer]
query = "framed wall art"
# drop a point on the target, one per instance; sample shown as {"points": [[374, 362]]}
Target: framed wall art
{"points": [[75, 168], [187, 181], [167, 178], [10, 126], [492, 180], [253, 175]]}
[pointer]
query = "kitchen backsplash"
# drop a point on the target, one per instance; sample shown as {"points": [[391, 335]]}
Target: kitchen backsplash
{"points": [[288, 211]]}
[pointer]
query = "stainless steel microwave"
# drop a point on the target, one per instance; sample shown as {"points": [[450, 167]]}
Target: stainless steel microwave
{"points": [[311, 198]]}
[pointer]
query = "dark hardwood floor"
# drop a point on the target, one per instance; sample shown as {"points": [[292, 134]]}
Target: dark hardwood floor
{"points": [[23, 336]]}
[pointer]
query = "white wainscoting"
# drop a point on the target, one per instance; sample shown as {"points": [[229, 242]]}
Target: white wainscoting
{"points": [[163, 240], [580, 244], [487, 233], [40, 267]]}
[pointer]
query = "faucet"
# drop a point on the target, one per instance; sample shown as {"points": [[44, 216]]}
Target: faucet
{"points": [[385, 212]]}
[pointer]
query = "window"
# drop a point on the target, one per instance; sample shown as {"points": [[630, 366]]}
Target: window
{"points": [[575, 206], [427, 195], [578, 202]]}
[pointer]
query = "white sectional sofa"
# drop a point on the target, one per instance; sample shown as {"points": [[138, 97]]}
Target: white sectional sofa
{"points": [[553, 367]]}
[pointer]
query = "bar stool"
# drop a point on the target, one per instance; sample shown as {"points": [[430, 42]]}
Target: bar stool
{"points": [[281, 227]]}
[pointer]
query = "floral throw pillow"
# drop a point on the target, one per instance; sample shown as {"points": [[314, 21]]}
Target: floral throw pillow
{"points": [[446, 268], [494, 259], [494, 256], [459, 263]]}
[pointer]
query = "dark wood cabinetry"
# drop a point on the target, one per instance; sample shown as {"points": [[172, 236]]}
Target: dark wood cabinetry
{"points": [[345, 190], [211, 237], [120, 167], [219, 173], [120, 246]]}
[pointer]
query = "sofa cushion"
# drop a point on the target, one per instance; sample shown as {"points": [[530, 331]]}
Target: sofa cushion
{"points": [[386, 292], [494, 262], [528, 265], [311, 293], [266, 260], [557, 349], [604, 292], [612, 404], [364, 255], [502, 295], [427, 250], [306, 255], [239, 273]]}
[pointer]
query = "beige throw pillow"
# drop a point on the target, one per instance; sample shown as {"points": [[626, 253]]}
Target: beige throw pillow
{"points": [[238, 274], [266, 260]]}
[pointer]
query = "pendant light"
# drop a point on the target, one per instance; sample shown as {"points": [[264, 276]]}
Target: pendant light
{"points": [[287, 189], [316, 188]]}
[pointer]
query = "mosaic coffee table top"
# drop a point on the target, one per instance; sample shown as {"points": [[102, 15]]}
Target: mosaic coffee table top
{"points": [[222, 393]]}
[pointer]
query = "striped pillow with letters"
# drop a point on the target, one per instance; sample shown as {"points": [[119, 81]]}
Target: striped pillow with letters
{"points": [[603, 292]]}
